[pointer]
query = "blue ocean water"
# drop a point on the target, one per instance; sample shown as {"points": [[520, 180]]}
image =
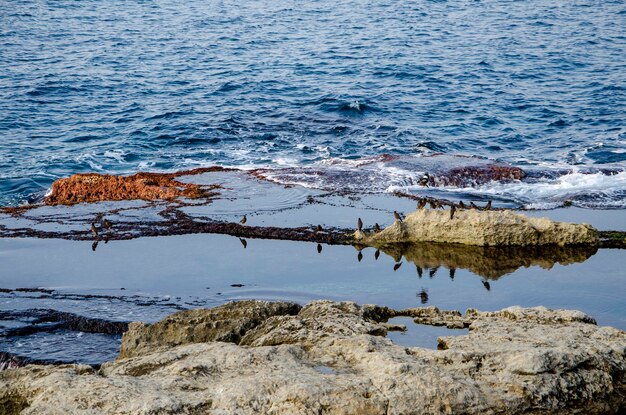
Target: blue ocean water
{"points": [[118, 86]]}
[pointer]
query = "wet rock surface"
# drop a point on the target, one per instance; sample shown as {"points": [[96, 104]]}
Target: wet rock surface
{"points": [[482, 228], [333, 358]]}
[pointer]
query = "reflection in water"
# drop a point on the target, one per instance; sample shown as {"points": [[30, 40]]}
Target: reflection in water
{"points": [[487, 262]]}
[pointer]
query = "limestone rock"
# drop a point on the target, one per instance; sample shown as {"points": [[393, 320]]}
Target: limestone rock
{"points": [[331, 358], [485, 228], [227, 323]]}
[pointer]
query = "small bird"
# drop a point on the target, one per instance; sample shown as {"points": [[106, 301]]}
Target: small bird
{"points": [[424, 180], [432, 272], [377, 254], [318, 228], [452, 272], [107, 223], [94, 246], [423, 295], [376, 227], [487, 285], [359, 256], [319, 248], [420, 271], [421, 204], [243, 242], [461, 204], [359, 225], [397, 216], [452, 210], [488, 206], [243, 220], [94, 230], [433, 204], [398, 265], [473, 206]]}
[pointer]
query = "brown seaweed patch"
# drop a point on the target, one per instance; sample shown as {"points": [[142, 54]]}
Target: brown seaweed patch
{"points": [[94, 187]]}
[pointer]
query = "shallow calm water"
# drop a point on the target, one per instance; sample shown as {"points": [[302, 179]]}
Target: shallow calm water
{"points": [[119, 86], [148, 278]]}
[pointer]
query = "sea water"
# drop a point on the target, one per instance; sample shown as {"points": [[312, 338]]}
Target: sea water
{"points": [[119, 86]]}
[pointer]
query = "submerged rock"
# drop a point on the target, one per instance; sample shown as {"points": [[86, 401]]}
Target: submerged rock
{"points": [[485, 228], [332, 358]]}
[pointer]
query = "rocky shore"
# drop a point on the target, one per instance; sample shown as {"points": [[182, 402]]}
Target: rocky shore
{"points": [[253, 357]]}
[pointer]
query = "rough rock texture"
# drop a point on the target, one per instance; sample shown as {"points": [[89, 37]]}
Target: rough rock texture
{"points": [[474, 227], [94, 187], [226, 324], [331, 359]]}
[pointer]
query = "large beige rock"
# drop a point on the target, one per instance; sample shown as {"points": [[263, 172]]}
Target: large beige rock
{"points": [[474, 227], [226, 323], [331, 358]]}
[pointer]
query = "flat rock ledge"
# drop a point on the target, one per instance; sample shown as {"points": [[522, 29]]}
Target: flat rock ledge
{"points": [[256, 357], [484, 228]]}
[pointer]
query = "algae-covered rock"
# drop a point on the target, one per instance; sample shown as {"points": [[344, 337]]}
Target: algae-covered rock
{"points": [[486, 228], [331, 358]]}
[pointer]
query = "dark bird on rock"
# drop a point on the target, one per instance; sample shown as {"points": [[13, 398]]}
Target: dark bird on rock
{"points": [[433, 204], [376, 227], [452, 210], [318, 228], [243, 220], [452, 272], [243, 242], [94, 230], [94, 246], [397, 216], [359, 256], [432, 272], [377, 254], [473, 206], [487, 285], [398, 265], [107, 223], [461, 205], [423, 295], [424, 180], [488, 205], [359, 224], [421, 204]]}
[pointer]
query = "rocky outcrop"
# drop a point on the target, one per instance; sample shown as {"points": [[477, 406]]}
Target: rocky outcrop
{"points": [[224, 324], [332, 358], [94, 187], [484, 228]]}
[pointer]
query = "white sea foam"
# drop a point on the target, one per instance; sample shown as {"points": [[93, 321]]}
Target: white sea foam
{"points": [[582, 189]]}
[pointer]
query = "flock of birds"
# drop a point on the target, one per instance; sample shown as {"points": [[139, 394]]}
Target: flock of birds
{"points": [[422, 202]]}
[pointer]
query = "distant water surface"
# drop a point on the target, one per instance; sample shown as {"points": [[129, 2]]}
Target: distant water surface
{"points": [[118, 86]]}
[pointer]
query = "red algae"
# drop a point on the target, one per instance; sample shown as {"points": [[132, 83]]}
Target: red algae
{"points": [[94, 187]]}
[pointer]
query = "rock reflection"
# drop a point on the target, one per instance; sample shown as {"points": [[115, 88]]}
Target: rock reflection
{"points": [[487, 262]]}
